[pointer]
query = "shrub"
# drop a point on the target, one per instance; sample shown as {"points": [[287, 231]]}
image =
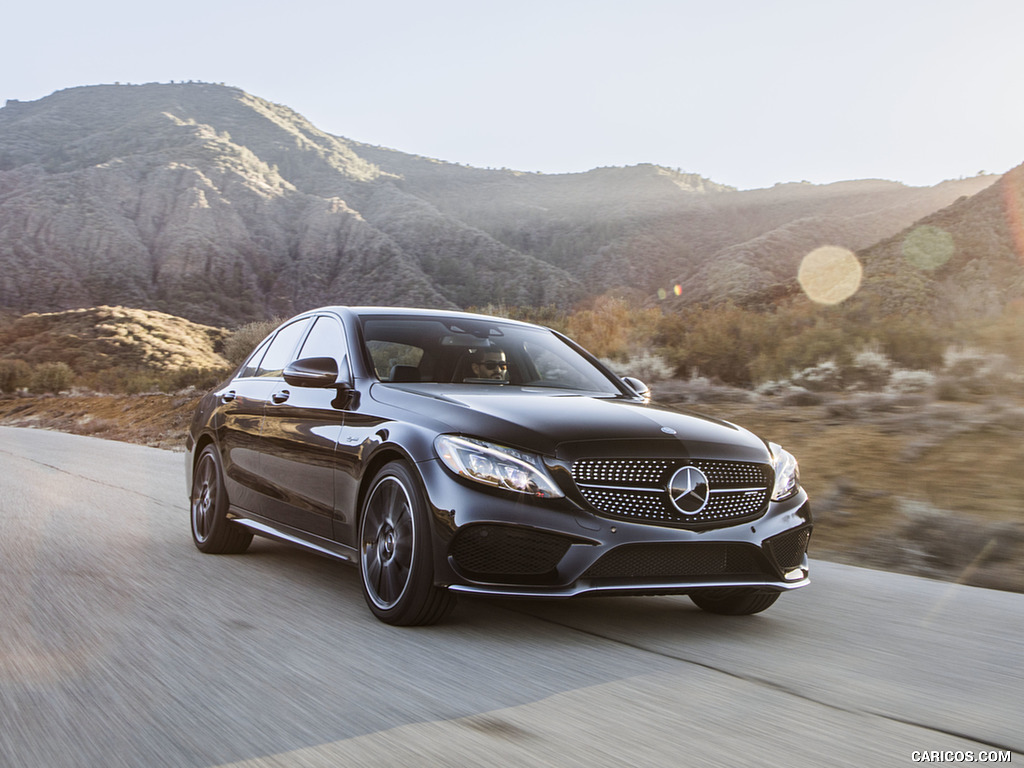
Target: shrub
{"points": [[610, 327], [202, 379], [911, 342], [645, 365], [802, 397], [720, 343], [870, 370], [823, 377], [51, 377], [243, 340], [14, 375], [910, 382], [971, 372]]}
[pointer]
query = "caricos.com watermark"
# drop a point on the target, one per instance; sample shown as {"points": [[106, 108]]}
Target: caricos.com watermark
{"points": [[960, 756]]}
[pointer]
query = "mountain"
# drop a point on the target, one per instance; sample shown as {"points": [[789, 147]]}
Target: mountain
{"points": [[209, 203]]}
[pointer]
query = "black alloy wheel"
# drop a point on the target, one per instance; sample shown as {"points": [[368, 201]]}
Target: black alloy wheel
{"points": [[212, 531], [733, 601], [395, 558]]}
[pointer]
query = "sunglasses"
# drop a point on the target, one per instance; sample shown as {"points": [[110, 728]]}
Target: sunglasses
{"points": [[494, 365]]}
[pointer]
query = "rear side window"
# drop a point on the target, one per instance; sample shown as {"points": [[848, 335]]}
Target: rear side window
{"points": [[254, 361], [279, 353]]}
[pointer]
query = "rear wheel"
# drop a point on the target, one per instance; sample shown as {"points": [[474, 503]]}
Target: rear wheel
{"points": [[736, 601], [212, 531], [395, 557]]}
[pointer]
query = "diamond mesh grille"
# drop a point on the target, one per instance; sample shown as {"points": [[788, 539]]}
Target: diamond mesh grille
{"points": [[637, 489]]}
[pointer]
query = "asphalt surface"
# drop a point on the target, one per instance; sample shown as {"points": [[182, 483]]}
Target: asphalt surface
{"points": [[122, 645]]}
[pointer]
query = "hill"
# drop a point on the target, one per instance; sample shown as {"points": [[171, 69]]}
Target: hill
{"points": [[209, 203], [962, 263], [103, 343]]}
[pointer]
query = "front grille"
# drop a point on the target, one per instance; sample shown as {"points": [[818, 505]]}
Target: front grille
{"points": [[677, 560], [788, 549], [637, 489], [500, 553]]}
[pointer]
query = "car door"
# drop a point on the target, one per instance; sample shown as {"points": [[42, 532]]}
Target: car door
{"points": [[240, 423], [301, 428]]}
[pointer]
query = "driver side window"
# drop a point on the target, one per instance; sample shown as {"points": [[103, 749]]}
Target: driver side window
{"points": [[324, 340]]}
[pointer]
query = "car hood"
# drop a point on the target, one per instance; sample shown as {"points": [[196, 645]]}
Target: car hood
{"points": [[570, 425]]}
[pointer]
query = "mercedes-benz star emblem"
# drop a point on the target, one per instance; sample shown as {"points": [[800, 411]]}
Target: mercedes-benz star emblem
{"points": [[688, 490]]}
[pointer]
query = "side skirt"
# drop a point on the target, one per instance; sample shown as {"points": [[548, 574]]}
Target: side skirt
{"points": [[321, 546]]}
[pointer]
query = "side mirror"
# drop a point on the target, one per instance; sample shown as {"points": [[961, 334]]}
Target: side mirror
{"points": [[313, 372], [638, 386]]}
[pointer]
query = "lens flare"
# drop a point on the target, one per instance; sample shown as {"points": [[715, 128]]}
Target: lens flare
{"points": [[928, 247], [662, 294], [678, 289], [1013, 202], [830, 274]]}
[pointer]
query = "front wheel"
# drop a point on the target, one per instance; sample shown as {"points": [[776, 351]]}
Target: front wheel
{"points": [[395, 557], [737, 601], [212, 531]]}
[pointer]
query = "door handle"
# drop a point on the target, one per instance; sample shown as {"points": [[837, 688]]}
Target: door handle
{"points": [[228, 396], [280, 397]]}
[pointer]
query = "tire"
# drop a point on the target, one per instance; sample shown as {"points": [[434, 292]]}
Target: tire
{"points": [[396, 562], [736, 601], [212, 531]]}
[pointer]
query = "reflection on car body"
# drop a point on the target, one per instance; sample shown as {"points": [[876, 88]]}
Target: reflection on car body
{"points": [[445, 452]]}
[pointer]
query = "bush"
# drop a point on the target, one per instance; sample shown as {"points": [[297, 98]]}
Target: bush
{"points": [[202, 379], [870, 370], [51, 377], [911, 382], [244, 340], [719, 343], [609, 326], [972, 375], [823, 377], [14, 375], [646, 366]]}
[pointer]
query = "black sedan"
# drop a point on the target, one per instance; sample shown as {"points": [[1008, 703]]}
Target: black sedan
{"points": [[446, 452]]}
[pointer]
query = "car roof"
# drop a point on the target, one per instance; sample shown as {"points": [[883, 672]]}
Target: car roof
{"points": [[377, 311]]}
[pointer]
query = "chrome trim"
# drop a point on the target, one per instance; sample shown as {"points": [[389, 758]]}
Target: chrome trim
{"points": [[663, 490], [621, 488], [341, 553], [676, 587]]}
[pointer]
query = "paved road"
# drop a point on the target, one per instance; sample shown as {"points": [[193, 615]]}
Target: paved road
{"points": [[121, 645]]}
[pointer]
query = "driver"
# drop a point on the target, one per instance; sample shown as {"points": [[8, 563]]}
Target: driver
{"points": [[489, 364]]}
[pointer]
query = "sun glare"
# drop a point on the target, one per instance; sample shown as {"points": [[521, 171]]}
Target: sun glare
{"points": [[830, 274]]}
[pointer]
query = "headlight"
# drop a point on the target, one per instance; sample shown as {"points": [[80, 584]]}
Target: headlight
{"points": [[787, 473], [496, 465]]}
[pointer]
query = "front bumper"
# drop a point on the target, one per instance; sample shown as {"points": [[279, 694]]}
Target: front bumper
{"points": [[504, 544]]}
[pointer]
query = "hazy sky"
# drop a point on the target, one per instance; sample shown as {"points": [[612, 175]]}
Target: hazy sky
{"points": [[745, 92]]}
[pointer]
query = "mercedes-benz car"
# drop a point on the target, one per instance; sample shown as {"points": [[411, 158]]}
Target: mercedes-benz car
{"points": [[447, 453]]}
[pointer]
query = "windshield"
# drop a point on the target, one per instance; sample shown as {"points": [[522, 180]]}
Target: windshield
{"points": [[477, 351]]}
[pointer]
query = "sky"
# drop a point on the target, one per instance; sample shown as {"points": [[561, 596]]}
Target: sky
{"points": [[747, 93]]}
